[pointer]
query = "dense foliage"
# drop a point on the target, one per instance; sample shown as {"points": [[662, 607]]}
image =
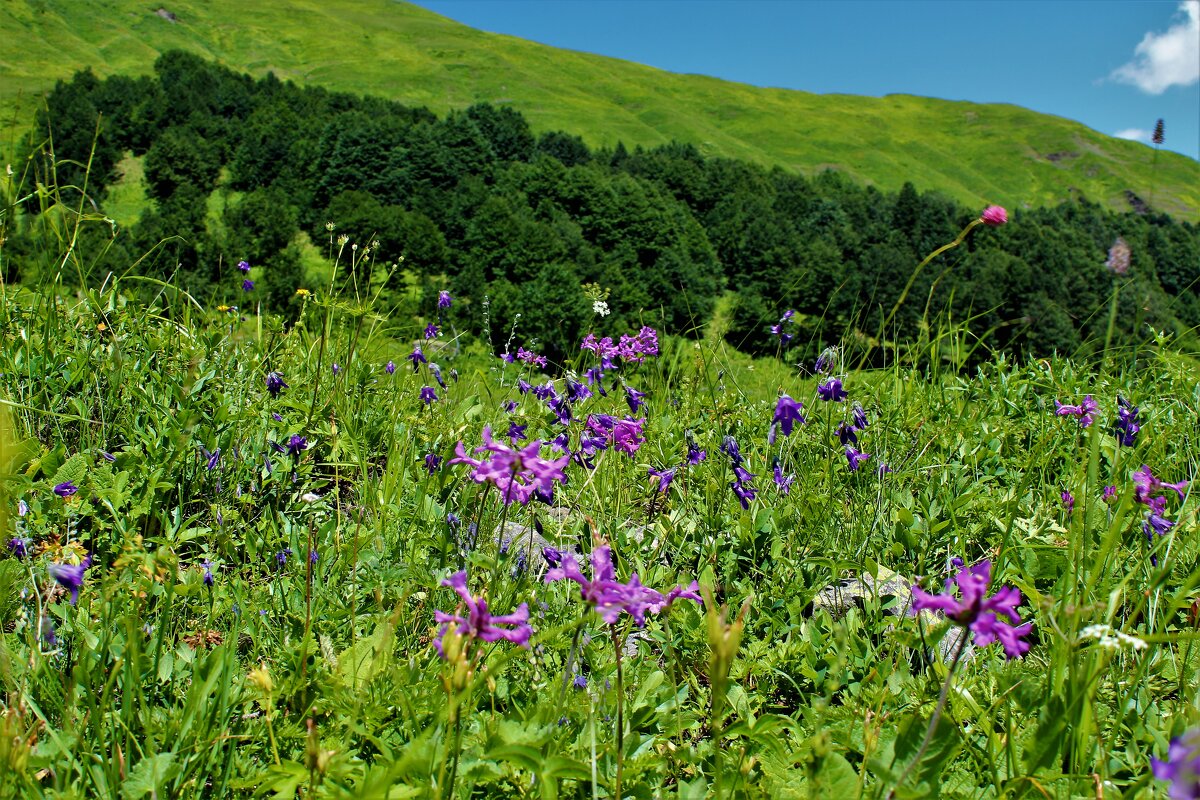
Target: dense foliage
{"points": [[477, 200]]}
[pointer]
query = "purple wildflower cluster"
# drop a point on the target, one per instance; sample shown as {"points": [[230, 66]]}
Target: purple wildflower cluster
{"points": [[1085, 411], [1148, 491], [479, 624], [634, 348], [611, 597], [742, 483], [780, 329], [1127, 426], [519, 475], [991, 619], [70, 576]]}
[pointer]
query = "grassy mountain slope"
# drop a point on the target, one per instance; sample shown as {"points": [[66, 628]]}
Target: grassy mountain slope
{"points": [[977, 153]]}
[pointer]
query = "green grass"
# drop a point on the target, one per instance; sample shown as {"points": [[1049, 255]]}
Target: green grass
{"points": [[324, 682], [976, 153]]}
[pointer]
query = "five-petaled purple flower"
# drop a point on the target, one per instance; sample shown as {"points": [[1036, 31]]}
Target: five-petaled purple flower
{"points": [[428, 394], [244, 266], [787, 413], [1182, 767], [784, 482], [479, 623], [981, 615], [417, 357], [275, 383], [432, 462], [609, 596], [247, 285], [665, 476], [296, 445], [635, 399], [70, 576], [832, 390], [1085, 411], [444, 299], [65, 489], [18, 547], [390, 368], [432, 331], [1126, 427], [208, 576]]}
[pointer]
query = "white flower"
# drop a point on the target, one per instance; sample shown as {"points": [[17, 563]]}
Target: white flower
{"points": [[1107, 636], [310, 497], [600, 307]]}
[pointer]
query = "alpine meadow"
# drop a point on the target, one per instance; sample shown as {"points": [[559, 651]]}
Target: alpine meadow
{"points": [[382, 418]]}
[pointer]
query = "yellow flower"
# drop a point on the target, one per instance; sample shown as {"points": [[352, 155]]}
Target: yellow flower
{"points": [[303, 293]]}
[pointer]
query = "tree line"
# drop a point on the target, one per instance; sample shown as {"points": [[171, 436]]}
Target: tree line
{"points": [[476, 202]]}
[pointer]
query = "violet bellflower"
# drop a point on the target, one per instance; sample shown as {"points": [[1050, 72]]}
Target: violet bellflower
{"points": [[428, 395], [275, 383], [247, 285], [856, 457], [1181, 767], [634, 398], [1126, 427], [991, 619], [444, 300], [417, 357], [665, 476], [783, 482], [296, 445], [208, 576], [1085, 411], [65, 489], [432, 331], [831, 391], [479, 624], [244, 266], [70, 576], [432, 462], [787, 413], [19, 548], [390, 368]]}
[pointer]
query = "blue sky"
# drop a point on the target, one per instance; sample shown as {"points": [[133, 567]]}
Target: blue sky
{"points": [[1114, 66]]}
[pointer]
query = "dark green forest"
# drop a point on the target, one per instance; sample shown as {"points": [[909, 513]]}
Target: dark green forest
{"points": [[475, 202]]}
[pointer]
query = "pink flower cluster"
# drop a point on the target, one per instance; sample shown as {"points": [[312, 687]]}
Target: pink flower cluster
{"points": [[625, 435], [629, 349], [609, 596], [517, 474], [1085, 411]]}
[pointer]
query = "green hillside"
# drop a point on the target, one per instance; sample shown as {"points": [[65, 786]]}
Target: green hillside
{"points": [[976, 153]]}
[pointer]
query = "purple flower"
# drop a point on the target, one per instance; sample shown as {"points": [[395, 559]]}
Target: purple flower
{"points": [[825, 361], [18, 547], [313, 556], [729, 447], [335, 368], [1085, 411], [634, 398], [608, 595], [208, 576], [787, 413], [517, 474], [247, 285], [860, 417], [431, 331], [983, 616], [214, 459], [745, 493], [595, 377], [509, 406], [1182, 767], [282, 556], [1068, 501], [432, 462], [109, 457], [65, 489], [296, 445], [784, 483], [665, 476], [244, 266], [580, 682], [994, 215], [428, 394], [847, 434], [437, 375], [695, 454], [444, 299], [70, 576], [831, 390], [577, 390], [1126, 427], [882, 469], [417, 357], [523, 386], [275, 383], [1110, 494], [856, 457], [22, 508], [390, 368], [479, 624]]}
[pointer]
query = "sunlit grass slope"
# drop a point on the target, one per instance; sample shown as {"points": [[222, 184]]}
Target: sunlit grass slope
{"points": [[974, 152]]}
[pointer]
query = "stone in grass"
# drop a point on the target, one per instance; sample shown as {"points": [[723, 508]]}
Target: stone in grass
{"points": [[895, 593]]}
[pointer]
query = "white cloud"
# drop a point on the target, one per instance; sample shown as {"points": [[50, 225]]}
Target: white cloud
{"points": [[1163, 60], [1136, 134]]}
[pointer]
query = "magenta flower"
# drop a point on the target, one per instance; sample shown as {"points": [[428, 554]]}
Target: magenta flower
{"points": [[981, 615], [627, 435], [517, 474], [479, 624], [1068, 501], [1182, 767], [1085, 411], [994, 215], [1110, 494], [609, 596]]}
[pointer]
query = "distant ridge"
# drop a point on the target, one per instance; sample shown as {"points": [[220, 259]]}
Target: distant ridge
{"points": [[975, 153]]}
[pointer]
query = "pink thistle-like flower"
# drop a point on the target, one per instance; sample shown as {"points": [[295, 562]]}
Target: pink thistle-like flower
{"points": [[980, 614], [479, 623], [994, 215]]}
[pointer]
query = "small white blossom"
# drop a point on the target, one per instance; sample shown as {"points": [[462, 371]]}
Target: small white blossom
{"points": [[310, 497], [1107, 636], [601, 308]]}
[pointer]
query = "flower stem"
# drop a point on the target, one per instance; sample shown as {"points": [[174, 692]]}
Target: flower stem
{"points": [[937, 714], [620, 714]]}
